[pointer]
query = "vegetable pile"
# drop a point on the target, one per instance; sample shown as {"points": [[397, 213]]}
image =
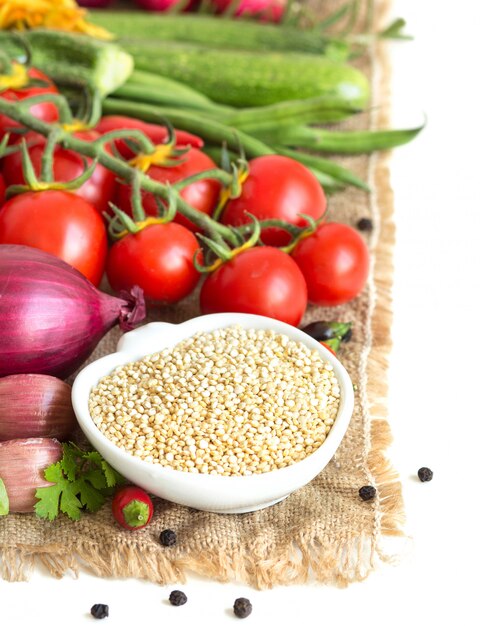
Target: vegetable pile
{"points": [[169, 159]]}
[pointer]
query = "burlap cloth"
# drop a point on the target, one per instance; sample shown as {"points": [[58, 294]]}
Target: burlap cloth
{"points": [[324, 531]]}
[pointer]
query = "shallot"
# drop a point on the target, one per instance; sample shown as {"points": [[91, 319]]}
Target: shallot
{"points": [[35, 405], [22, 463]]}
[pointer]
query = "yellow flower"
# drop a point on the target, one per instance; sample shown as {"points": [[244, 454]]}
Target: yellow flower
{"points": [[55, 14]]}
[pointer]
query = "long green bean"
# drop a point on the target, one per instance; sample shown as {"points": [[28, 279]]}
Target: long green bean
{"points": [[334, 170], [155, 81], [318, 110], [154, 89], [166, 97], [338, 142]]}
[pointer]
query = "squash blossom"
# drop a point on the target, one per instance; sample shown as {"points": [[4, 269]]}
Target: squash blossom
{"points": [[55, 14]]}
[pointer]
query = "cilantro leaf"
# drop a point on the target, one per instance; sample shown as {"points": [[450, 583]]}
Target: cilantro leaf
{"points": [[69, 503], [111, 475], [96, 478], [92, 498], [54, 473], [48, 501], [69, 461], [4, 502], [82, 479], [93, 457]]}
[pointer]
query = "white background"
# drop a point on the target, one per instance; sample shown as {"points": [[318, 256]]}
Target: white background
{"points": [[434, 379]]}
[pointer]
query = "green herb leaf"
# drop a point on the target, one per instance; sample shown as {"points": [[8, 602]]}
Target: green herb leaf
{"points": [[93, 457], [48, 501], [92, 498], [69, 461], [96, 478], [112, 477], [69, 503], [4, 502], [81, 480]]}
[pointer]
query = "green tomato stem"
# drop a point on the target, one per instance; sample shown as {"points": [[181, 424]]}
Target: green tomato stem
{"points": [[95, 150]]}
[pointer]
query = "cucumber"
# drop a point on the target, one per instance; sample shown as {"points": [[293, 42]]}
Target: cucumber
{"points": [[64, 56], [217, 32], [243, 79]]}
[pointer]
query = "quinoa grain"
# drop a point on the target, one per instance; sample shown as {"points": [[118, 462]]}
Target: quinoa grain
{"points": [[230, 402]]}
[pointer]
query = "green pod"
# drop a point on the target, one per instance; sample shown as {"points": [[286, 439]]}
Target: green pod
{"points": [[338, 142]]}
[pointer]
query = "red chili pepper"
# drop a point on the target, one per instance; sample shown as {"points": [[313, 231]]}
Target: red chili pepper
{"points": [[325, 344], [132, 507]]}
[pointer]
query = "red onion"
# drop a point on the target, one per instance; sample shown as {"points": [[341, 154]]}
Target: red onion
{"points": [[35, 405], [22, 463], [51, 316]]}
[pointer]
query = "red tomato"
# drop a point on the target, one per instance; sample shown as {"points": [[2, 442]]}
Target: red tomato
{"points": [[45, 111], [335, 262], [67, 165], [159, 259], [2, 190], [277, 187], [202, 195], [60, 223], [263, 280], [157, 134]]}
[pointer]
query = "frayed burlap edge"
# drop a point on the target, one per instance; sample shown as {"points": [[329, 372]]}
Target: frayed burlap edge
{"points": [[305, 558]]}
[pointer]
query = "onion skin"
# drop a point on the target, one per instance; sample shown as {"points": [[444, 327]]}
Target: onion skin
{"points": [[51, 316], [35, 405], [22, 463]]}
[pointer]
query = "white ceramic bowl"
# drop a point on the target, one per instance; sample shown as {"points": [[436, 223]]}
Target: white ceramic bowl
{"points": [[221, 494]]}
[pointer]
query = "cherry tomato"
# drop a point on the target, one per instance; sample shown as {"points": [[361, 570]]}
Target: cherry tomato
{"points": [[58, 222], [2, 191], [67, 165], [45, 111], [157, 134], [202, 195], [159, 259], [277, 187], [335, 262], [263, 280]]}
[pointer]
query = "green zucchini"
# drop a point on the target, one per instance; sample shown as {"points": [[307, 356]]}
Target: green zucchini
{"points": [[243, 79], [217, 32], [73, 57]]}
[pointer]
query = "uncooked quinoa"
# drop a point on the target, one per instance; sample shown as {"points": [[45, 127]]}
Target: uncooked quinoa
{"points": [[231, 402]]}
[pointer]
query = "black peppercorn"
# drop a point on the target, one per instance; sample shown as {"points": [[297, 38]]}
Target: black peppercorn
{"points": [[177, 598], [425, 474], [365, 224], [99, 611], [242, 607], [168, 538], [367, 492]]}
